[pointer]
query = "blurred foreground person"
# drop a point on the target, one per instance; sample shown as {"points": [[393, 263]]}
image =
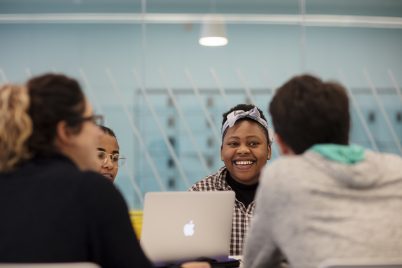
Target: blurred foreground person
{"points": [[324, 198], [54, 206]]}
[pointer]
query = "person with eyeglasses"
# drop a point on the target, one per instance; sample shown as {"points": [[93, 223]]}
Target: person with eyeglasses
{"points": [[108, 154], [55, 206]]}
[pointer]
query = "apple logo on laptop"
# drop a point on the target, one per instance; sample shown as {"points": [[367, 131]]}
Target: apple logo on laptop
{"points": [[188, 228]]}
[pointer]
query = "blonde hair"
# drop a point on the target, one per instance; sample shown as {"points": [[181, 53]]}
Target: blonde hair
{"points": [[15, 126]]}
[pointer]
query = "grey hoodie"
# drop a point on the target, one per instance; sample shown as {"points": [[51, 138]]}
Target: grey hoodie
{"points": [[313, 209]]}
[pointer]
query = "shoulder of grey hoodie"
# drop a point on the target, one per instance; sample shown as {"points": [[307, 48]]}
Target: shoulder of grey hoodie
{"points": [[374, 170]]}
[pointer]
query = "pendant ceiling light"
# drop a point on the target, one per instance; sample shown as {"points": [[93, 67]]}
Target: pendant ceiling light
{"points": [[213, 32]]}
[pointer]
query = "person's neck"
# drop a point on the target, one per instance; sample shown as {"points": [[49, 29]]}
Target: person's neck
{"points": [[240, 185], [245, 193]]}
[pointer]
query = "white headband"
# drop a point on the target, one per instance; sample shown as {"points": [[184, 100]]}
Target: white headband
{"points": [[253, 114]]}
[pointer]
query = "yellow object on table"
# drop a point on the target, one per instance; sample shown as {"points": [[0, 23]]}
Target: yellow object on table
{"points": [[136, 221]]}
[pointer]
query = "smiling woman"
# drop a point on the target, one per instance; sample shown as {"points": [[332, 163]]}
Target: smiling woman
{"points": [[245, 149]]}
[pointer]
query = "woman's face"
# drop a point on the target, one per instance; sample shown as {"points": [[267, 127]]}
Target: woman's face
{"points": [[108, 156], [245, 151], [79, 147]]}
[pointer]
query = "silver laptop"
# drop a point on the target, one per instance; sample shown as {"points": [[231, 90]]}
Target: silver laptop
{"points": [[187, 225]]}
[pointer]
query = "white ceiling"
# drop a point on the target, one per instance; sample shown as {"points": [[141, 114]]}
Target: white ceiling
{"points": [[356, 13], [335, 7]]}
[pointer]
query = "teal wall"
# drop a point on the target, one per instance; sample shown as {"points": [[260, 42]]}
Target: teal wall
{"points": [[161, 56]]}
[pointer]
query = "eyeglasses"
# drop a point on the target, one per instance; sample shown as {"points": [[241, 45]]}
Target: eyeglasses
{"points": [[116, 159], [95, 118]]}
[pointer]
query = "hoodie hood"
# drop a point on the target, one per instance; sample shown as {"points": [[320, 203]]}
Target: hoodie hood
{"points": [[346, 154], [367, 170]]}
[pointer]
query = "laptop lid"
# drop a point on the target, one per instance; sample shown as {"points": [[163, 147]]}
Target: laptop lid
{"points": [[187, 225]]}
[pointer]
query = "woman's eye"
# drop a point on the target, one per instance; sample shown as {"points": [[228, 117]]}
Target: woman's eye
{"points": [[254, 144], [232, 144]]}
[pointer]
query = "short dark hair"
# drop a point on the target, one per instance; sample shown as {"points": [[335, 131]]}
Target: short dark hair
{"points": [[246, 107], [307, 111], [53, 98], [107, 131]]}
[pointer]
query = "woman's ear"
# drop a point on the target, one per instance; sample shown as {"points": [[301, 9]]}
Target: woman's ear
{"points": [[269, 152], [221, 154], [63, 134]]}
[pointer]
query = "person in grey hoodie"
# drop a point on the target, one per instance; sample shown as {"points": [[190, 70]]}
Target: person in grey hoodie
{"points": [[324, 198]]}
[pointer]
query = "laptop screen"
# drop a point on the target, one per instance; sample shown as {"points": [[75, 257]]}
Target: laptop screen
{"points": [[187, 225]]}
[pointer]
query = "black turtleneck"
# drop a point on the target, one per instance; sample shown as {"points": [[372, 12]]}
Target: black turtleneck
{"points": [[244, 193]]}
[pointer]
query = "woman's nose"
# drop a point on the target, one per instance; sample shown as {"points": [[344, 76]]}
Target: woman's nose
{"points": [[243, 149]]}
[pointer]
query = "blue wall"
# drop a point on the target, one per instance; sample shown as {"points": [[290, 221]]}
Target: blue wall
{"points": [[157, 57]]}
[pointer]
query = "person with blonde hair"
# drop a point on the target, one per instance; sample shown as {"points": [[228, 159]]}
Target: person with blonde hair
{"points": [[54, 205], [15, 126]]}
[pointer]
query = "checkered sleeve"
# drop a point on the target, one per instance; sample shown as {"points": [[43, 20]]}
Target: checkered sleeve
{"points": [[241, 214], [241, 221]]}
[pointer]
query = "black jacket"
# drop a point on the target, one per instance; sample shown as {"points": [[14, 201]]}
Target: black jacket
{"points": [[50, 211]]}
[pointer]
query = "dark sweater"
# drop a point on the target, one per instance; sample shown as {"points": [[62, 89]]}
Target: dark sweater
{"points": [[244, 193], [50, 211]]}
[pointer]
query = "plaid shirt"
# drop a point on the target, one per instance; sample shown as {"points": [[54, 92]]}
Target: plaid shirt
{"points": [[241, 214]]}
